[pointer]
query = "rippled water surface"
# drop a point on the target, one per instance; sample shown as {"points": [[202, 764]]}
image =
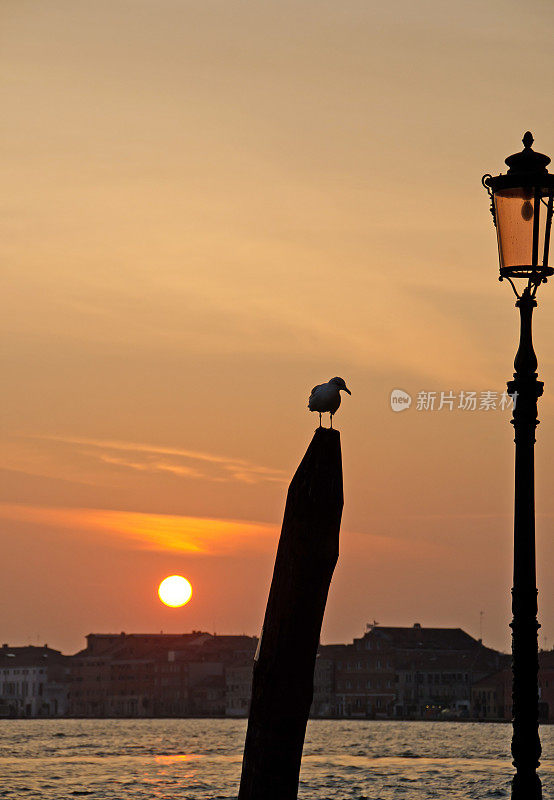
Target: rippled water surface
{"points": [[201, 759]]}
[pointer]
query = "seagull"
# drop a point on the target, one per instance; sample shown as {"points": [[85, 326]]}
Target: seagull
{"points": [[326, 397]]}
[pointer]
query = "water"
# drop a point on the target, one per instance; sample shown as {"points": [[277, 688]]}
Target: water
{"points": [[201, 759]]}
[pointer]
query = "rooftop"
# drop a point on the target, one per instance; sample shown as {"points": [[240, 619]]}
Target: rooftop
{"points": [[29, 656]]}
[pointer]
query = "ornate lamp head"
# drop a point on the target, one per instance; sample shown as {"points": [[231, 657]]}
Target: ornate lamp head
{"points": [[521, 205]]}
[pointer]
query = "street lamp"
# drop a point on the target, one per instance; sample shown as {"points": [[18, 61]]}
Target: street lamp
{"points": [[521, 206]]}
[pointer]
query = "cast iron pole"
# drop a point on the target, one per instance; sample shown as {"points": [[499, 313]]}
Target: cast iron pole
{"points": [[526, 389]]}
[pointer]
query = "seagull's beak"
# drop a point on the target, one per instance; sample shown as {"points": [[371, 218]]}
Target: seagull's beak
{"points": [[347, 390]]}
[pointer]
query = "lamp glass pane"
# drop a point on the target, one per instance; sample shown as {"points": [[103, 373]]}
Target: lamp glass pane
{"points": [[546, 219], [514, 226]]}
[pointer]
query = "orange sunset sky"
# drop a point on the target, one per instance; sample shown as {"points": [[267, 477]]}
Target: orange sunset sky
{"points": [[209, 206]]}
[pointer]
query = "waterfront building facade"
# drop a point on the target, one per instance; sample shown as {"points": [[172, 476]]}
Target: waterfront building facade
{"points": [[33, 682], [389, 672]]}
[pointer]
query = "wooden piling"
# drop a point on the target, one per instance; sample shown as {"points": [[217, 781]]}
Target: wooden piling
{"points": [[282, 688]]}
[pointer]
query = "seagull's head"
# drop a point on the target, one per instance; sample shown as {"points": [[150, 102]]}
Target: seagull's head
{"points": [[340, 384]]}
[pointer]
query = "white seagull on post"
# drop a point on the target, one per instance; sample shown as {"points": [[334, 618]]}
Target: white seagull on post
{"points": [[326, 397]]}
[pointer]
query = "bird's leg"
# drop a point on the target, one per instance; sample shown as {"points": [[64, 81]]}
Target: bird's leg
{"points": [[319, 419], [331, 415]]}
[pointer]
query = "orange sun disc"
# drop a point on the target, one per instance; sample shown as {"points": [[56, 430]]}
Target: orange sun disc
{"points": [[175, 591]]}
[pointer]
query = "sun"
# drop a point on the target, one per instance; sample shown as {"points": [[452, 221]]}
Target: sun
{"points": [[175, 591]]}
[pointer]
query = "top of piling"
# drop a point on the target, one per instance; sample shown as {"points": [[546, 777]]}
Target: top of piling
{"points": [[319, 474]]}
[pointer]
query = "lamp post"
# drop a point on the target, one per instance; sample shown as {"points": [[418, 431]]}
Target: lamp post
{"points": [[521, 206]]}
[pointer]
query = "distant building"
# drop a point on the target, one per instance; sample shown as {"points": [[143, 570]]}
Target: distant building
{"points": [[365, 678], [33, 682], [491, 697], [208, 696], [154, 675], [546, 685], [324, 698], [238, 686], [211, 668], [412, 672], [430, 684]]}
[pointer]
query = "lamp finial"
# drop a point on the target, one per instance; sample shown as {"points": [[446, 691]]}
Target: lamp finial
{"points": [[527, 162]]}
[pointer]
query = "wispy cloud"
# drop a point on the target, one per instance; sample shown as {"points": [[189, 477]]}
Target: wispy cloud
{"points": [[150, 466], [193, 535], [177, 461]]}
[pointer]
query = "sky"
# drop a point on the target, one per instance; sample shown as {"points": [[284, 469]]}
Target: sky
{"points": [[210, 206]]}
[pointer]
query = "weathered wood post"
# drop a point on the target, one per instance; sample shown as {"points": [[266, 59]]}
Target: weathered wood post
{"points": [[282, 686]]}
